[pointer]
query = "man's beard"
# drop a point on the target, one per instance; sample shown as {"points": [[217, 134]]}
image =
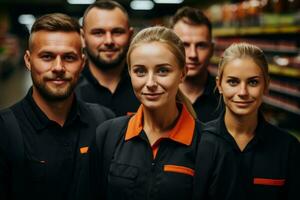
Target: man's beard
{"points": [[57, 94], [103, 64]]}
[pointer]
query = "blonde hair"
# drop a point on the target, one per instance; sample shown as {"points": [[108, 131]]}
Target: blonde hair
{"points": [[166, 36], [245, 50]]}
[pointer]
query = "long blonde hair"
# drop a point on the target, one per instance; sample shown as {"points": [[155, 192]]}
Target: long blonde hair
{"points": [[166, 36]]}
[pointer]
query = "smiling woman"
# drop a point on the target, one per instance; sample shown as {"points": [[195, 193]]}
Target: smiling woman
{"points": [[155, 155], [264, 159]]}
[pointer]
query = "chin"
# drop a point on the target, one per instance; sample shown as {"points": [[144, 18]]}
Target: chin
{"points": [[243, 112], [152, 105]]}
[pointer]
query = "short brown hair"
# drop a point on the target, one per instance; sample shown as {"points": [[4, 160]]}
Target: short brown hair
{"points": [[105, 5], [54, 22], [192, 16]]}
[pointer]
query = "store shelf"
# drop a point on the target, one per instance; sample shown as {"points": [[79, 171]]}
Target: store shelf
{"points": [[240, 31], [284, 71], [282, 104], [284, 89]]}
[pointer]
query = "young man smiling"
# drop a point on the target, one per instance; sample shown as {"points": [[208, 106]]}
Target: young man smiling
{"points": [[44, 138], [106, 33]]}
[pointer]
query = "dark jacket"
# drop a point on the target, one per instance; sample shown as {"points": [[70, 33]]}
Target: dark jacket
{"points": [[268, 167], [44, 160]]}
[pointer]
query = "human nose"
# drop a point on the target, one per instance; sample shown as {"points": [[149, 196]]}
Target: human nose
{"points": [[58, 64], [191, 53], [108, 38], [151, 82], [243, 90]]}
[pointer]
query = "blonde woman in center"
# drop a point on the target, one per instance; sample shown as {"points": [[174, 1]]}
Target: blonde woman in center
{"points": [[155, 153]]}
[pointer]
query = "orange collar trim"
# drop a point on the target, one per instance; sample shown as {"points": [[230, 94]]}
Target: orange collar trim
{"points": [[182, 132]]}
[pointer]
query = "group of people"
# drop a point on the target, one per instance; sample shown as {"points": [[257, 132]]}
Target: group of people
{"points": [[116, 116]]}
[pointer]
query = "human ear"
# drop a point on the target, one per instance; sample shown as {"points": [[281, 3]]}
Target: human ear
{"points": [[27, 60], [82, 38], [183, 74], [218, 84]]}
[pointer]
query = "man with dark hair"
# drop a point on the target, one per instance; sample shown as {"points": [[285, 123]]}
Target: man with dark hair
{"points": [[194, 29], [44, 138], [107, 33]]}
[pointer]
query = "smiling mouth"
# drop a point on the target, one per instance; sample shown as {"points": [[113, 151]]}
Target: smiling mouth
{"points": [[243, 103], [152, 96]]}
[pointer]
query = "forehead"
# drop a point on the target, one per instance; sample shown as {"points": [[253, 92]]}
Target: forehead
{"points": [[102, 18], [242, 68], [55, 41], [191, 32], [152, 53]]}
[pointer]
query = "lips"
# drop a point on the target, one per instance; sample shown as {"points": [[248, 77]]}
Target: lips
{"points": [[58, 81], [152, 96], [192, 65], [242, 103]]}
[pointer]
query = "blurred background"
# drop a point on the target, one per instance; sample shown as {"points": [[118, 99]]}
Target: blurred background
{"points": [[273, 25]]}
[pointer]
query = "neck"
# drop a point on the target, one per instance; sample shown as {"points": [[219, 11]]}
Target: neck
{"points": [[193, 87], [57, 110], [107, 78], [158, 122], [242, 128]]}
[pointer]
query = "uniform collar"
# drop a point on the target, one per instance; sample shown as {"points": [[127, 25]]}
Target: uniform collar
{"points": [[260, 131], [182, 132], [40, 120]]}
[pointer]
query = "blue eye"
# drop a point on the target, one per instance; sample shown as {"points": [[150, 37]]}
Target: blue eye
{"points": [[232, 82], [139, 71], [253, 83], [163, 71]]}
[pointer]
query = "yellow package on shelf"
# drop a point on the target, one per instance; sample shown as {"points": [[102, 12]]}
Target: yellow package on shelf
{"points": [[285, 71]]}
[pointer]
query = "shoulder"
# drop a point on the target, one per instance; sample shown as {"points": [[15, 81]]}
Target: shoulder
{"points": [[211, 131], [83, 85], [9, 124], [213, 138], [114, 127], [115, 123], [98, 108], [82, 80], [278, 135], [100, 113]]}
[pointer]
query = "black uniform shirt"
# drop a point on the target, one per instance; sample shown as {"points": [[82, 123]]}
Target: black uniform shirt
{"points": [[206, 105], [138, 170], [121, 102], [268, 168], [53, 154]]}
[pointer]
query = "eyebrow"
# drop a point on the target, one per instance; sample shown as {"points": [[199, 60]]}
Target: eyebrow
{"points": [[252, 77]]}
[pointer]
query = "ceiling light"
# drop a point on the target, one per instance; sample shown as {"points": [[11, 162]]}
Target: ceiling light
{"points": [[27, 20], [168, 1], [141, 5], [81, 1]]}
